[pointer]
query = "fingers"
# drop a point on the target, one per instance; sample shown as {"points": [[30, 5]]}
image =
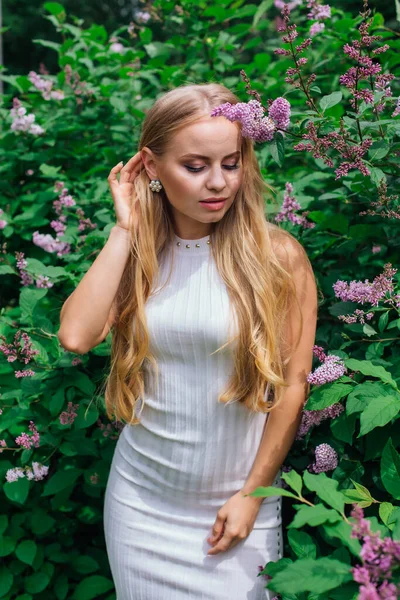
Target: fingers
{"points": [[128, 172], [225, 543], [132, 168]]}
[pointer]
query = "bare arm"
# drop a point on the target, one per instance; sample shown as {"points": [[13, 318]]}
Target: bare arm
{"points": [[88, 313]]}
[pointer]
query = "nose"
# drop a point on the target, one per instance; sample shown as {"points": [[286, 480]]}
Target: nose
{"points": [[216, 179]]}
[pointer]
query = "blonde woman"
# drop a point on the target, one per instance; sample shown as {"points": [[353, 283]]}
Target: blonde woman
{"points": [[213, 311]]}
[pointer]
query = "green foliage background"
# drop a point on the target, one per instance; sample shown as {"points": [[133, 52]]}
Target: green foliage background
{"points": [[52, 543]]}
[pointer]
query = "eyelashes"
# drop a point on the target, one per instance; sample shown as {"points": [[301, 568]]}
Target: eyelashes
{"points": [[198, 169]]}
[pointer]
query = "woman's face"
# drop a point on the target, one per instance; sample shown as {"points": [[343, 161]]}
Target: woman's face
{"points": [[203, 161]]}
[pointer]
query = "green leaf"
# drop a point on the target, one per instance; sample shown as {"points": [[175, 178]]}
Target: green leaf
{"points": [[378, 413], [26, 551], [390, 469], [92, 587], [277, 149], [54, 8], [7, 545], [308, 575], [313, 516], [342, 530], [7, 270], [3, 523], [302, 544], [37, 582], [17, 491], [383, 321], [6, 580], [367, 368], [325, 488], [327, 394], [266, 492], [293, 479], [47, 44], [28, 299], [330, 100], [85, 564], [61, 480], [50, 171]]}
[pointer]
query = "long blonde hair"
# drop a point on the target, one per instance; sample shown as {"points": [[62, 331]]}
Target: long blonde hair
{"points": [[260, 287]]}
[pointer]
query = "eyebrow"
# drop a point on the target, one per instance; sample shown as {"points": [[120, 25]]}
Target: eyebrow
{"points": [[191, 155]]}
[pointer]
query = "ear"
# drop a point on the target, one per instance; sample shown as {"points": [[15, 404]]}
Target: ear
{"points": [[149, 161]]}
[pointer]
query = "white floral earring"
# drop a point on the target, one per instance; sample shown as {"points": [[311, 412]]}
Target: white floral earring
{"points": [[155, 185]]}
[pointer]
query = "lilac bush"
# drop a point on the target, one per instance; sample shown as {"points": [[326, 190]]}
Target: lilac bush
{"points": [[327, 138]]}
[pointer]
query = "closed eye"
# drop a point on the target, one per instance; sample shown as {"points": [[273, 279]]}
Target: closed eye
{"points": [[198, 169]]}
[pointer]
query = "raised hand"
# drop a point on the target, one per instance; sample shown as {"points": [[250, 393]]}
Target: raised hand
{"points": [[122, 191]]}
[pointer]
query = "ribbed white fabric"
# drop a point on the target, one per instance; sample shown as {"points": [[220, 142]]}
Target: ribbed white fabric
{"points": [[171, 473]]}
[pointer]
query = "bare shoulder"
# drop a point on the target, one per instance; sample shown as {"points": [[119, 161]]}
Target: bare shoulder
{"points": [[288, 250]]}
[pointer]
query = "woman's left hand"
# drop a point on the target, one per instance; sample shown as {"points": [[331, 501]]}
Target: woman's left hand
{"points": [[234, 522]]}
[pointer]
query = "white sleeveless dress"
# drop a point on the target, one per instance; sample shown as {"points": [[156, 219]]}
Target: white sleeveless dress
{"points": [[171, 473]]}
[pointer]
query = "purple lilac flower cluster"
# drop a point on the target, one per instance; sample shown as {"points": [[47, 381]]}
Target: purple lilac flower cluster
{"points": [[23, 121], [255, 124], [379, 560], [350, 151], [3, 222], [37, 472], [366, 69], [46, 241], [373, 293], [326, 459], [45, 86], [289, 206], [331, 369], [111, 430], [68, 417], [20, 349], [26, 441]]}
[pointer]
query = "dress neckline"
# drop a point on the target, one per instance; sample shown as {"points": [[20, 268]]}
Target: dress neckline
{"points": [[192, 247]]}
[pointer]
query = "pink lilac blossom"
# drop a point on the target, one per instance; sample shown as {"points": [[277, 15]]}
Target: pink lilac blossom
{"points": [[279, 4], [255, 124], [358, 316], [375, 249], [142, 16], [17, 350], [289, 206], [94, 478], [326, 459], [26, 373], [44, 282], [45, 86], [380, 557], [37, 472], [26, 441], [3, 223], [48, 243], [21, 263], [397, 109], [312, 418], [68, 417], [3, 444], [111, 430], [316, 28], [357, 291], [366, 68], [118, 48], [332, 369], [78, 87], [23, 121], [318, 11]]}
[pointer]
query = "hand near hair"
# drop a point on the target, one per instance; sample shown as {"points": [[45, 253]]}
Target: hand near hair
{"points": [[122, 191], [235, 521]]}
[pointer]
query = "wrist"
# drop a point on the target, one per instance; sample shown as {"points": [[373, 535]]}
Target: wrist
{"points": [[124, 231]]}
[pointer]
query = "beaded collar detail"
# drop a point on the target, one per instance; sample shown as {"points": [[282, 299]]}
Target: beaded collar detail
{"points": [[192, 247]]}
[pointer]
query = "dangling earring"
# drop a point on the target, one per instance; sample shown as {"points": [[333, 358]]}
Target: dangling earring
{"points": [[155, 185]]}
